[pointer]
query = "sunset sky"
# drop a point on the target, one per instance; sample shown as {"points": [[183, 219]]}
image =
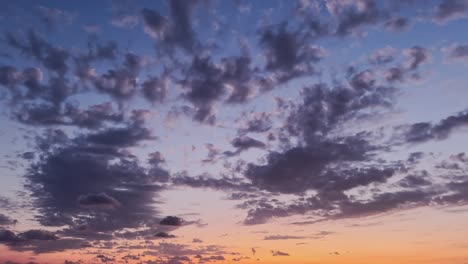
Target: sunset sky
{"points": [[219, 131]]}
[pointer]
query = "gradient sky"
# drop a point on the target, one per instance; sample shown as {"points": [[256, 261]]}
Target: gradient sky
{"points": [[216, 131]]}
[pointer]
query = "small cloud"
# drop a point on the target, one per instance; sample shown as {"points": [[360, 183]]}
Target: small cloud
{"points": [[172, 221], [278, 253]]}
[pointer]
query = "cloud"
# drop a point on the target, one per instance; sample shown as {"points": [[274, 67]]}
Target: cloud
{"points": [[5, 220], [355, 16], [164, 235], [223, 183], [397, 24], [257, 123], [456, 52], [208, 82], [53, 17], [99, 200], [7, 236], [32, 44], [382, 56], [244, 143], [449, 10], [176, 30], [123, 14], [74, 179], [155, 89], [37, 241], [416, 56], [288, 53], [37, 235], [277, 253], [171, 221], [425, 131], [155, 23], [283, 237]]}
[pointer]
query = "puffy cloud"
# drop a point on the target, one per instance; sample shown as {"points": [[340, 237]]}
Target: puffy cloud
{"points": [[174, 30], [154, 89], [416, 56], [288, 53], [92, 172], [155, 23], [382, 56], [355, 16], [51, 57]]}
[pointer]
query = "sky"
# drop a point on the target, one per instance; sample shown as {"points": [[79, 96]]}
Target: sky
{"points": [[218, 131]]}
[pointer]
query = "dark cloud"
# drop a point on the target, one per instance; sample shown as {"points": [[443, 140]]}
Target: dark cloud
{"points": [[120, 137], [171, 221], [121, 84], [175, 30], [164, 235], [99, 200], [37, 235], [5, 220], [355, 16], [93, 172], [288, 53], [239, 75], [397, 24], [37, 241], [448, 10], [155, 23], [181, 32], [54, 17], [416, 56], [321, 111], [28, 85], [197, 240], [7, 236], [34, 46], [415, 181], [95, 117], [258, 123], [208, 82], [155, 89], [337, 205], [424, 131], [204, 87], [244, 143]]}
